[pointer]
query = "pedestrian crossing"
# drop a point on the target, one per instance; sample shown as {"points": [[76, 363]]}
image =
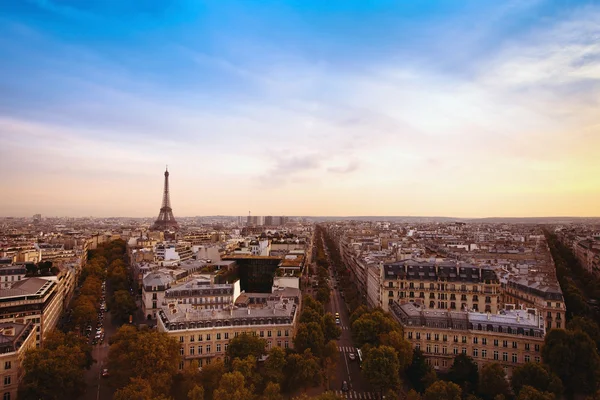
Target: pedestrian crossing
{"points": [[357, 395], [347, 349], [345, 328]]}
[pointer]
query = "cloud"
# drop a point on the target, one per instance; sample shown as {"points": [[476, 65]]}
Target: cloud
{"points": [[347, 169]]}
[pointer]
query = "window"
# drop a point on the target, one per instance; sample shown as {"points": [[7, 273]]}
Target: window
{"points": [[218, 336], [514, 358], [537, 359], [268, 333], [429, 336], [208, 349], [262, 333], [192, 338], [505, 343], [484, 341], [181, 365], [475, 340], [218, 347], [445, 338], [226, 335], [278, 333], [287, 333], [7, 365], [505, 356], [483, 353], [418, 335], [192, 350], [464, 339], [390, 293], [436, 349], [181, 338], [475, 353], [436, 336], [410, 335], [199, 338], [527, 346], [226, 346], [455, 339], [464, 350], [444, 350], [537, 347], [181, 351], [287, 344], [208, 336], [236, 334], [199, 349], [514, 344], [428, 349], [527, 358], [496, 355], [455, 351], [495, 342]]}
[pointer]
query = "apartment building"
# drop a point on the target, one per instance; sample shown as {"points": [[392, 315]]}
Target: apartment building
{"points": [[510, 338], [548, 298], [204, 334], [447, 285], [15, 340], [10, 274], [35, 300]]}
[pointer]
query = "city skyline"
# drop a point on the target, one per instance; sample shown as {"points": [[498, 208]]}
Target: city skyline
{"points": [[458, 109]]}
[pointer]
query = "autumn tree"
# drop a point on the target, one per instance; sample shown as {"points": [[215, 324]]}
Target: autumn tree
{"points": [[329, 362], [146, 354], [573, 356], [245, 345], [210, 377], [137, 389], [443, 390], [402, 346], [381, 368], [272, 392], [302, 370], [323, 295], [309, 336], [492, 382], [231, 387], [419, 372], [464, 372], [537, 376], [331, 330], [274, 365], [531, 393], [196, 393], [122, 305]]}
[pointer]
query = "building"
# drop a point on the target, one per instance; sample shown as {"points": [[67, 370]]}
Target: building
{"points": [[510, 338], [204, 334], [447, 285], [523, 293], [15, 340], [35, 300], [202, 293], [10, 274]]}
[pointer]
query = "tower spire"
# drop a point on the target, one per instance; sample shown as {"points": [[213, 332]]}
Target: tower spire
{"points": [[165, 220]]}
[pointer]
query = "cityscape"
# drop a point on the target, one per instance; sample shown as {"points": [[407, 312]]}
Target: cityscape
{"points": [[300, 200]]}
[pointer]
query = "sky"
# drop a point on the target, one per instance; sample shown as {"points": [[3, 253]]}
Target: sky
{"points": [[470, 108]]}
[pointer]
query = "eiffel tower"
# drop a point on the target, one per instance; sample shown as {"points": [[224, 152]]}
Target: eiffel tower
{"points": [[166, 220]]}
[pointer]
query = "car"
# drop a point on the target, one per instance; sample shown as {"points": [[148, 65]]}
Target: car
{"points": [[352, 356], [345, 387], [105, 373], [337, 314]]}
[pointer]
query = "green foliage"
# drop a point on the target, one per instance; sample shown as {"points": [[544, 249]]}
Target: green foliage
{"points": [[572, 355], [146, 354], [536, 376], [403, 348], [122, 305], [247, 367], [196, 393], [245, 345], [210, 377], [274, 366], [302, 371], [55, 371], [323, 295], [443, 390], [587, 325], [530, 393], [311, 315], [272, 392], [492, 382], [310, 302], [381, 368], [370, 326], [419, 372], [464, 372]]}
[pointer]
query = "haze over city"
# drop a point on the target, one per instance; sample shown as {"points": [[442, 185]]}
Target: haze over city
{"points": [[465, 109]]}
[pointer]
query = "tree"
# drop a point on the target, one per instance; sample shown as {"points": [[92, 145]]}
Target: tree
{"points": [[123, 305], [464, 372], [530, 393], [418, 371], [493, 382], [302, 371], [274, 365], [331, 330], [272, 392], [196, 393], [323, 295], [146, 354], [210, 377], [310, 302], [247, 367], [232, 387], [381, 368], [370, 326], [443, 390], [245, 345], [573, 356], [56, 373], [402, 346], [330, 360], [190, 376], [309, 336], [137, 389], [413, 395], [310, 315], [536, 376], [586, 325], [84, 311]]}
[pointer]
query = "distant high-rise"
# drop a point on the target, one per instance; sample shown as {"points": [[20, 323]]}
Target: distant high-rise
{"points": [[166, 220]]}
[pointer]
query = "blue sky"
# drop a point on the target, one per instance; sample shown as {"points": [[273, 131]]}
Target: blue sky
{"points": [[459, 108]]}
